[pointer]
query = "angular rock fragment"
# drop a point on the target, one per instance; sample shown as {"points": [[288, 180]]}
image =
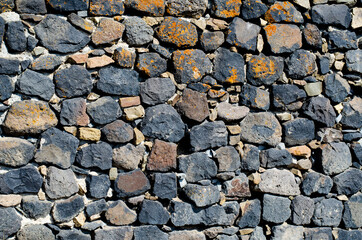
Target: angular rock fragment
{"points": [[9, 66], [149, 232], [336, 87], [283, 38], [283, 12], [162, 157], [348, 182], [183, 213], [81, 23], [237, 187], [187, 235], [316, 183], [187, 8], [152, 212], [228, 159], [335, 14], [74, 233], [274, 157], [250, 159], [31, 6], [348, 234], [202, 196], [352, 113], [302, 210], [328, 212], [312, 35], [66, 210], [104, 110], [106, 7], [324, 233], [335, 157], [226, 9], [197, 166], [210, 41], [193, 105], [128, 156], [286, 231], [74, 112], [208, 135], [46, 62], [263, 69], [35, 208], [281, 182], [229, 112], [6, 87], [96, 207], [118, 132], [114, 233], [157, 90], [131, 183], [353, 59], [56, 180], [252, 9], [124, 57], [276, 209], [165, 185], [151, 64], [352, 211], [150, 7], [250, 213], [98, 186], [228, 66], [137, 31], [119, 214], [15, 152], [108, 31], [97, 155], [243, 34], [298, 131], [342, 40], [15, 36], [320, 110], [68, 5], [254, 97], [35, 231], [300, 64]]}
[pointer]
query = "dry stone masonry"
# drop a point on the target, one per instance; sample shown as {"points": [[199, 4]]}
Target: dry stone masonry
{"points": [[181, 119]]}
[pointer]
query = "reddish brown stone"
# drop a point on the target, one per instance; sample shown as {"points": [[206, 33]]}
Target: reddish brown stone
{"points": [[97, 62], [107, 32], [193, 105], [120, 214], [312, 35], [131, 183], [129, 101], [226, 8], [177, 32], [162, 157], [124, 57], [106, 7], [151, 7], [78, 58], [237, 187], [283, 38]]}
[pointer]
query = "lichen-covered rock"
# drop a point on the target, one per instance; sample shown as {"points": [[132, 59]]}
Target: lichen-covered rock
{"points": [[137, 31], [151, 64], [193, 105], [152, 212], [177, 32], [68, 5], [328, 212], [15, 152], [210, 41], [108, 31], [336, 157], [56, 180], [243, 34], [106, 7], [320, 110], [59, 35], [226, 9], [302, 210], [202, 196], [312, 35], [197, 166], [276, 209], [150, 7], [228, 66], [335, 14], [74, 112], [300, 64], [165, 185], [348, 182], [124, 57], [15, 36], [29, 117], [208, 135], [157, 90], [131, 183], [283, 38], [46, 63], [263, 69], [186, 8], [318, 183], [162, 157], [279, 182], [66, 210], [254, 97], [283, 12], [252, 9]]}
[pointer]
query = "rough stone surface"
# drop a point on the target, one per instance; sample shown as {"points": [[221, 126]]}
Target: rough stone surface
{"points": [[250, 213], [274, 157], [128, 156], [316, 183], [66, 210], [114, 233], [336, 88], [254, 97], [283, 12], [118, 132], [342, 40], [131, 183], [137, 31], [193, 105], [263, 69], [279, 182], [237, 187], [151, 7], [162, 157], [107, 32], [56, 180], [328, 212], [298, 131], [227, 158], [348, 182], [283, 38], [104, 110], [285, 231], [75, 234], [34, 208], [6, 87], [15, 37], [226, 9], [46, 63], [312, 35], [276, 209], [210, 41], [197, 166], [324, 233], [252, 9], [228, 66], [97, 155], [302, 210], [152, 212], [229, 112], [243, 34], [352, 211], [15, 152], [353, 57], [74, 112], [149, 232], [202, 196], [336, 157], [320, 110], [9, 66], [31, 6], [35, 231], [300, 64], [10, 222], [165, 185], [337, 15], [106, 7], [352, 112], [186, 8], [214, 134], [119, 214], [156, 90], [151, 64], [98, 186]]}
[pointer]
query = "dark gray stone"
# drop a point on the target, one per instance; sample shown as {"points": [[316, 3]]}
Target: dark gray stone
{"points": [[300, 64], [56, 179], [208, 135], [73, 234], [163, 122], [164, 52], [224, 215], [114, 233], [98, 186], [250, 213], [228, 66], [26, 179], [316, 183], [35, 84], [15, 152], [250, 159], [188, 8], [352, 113], [81, 23], [149, 232], [342, 40], [353, 60], [9, 66], [165, 185], [287, 94], [298, 131], [323, 233], [31, 43], [15, 36], [210, 41], [263, 69], [57, 148], [66, 210], [328, 212], [202, 196], [357, 152], [72, 82], [104, 110], [137, 31], [151, 64], [237, 187], [117, 81], [31, 6], [183, 214], [335, 158], [347, 235], [228, 159], [197, 166], [118, 132], [2, 29], [243, 34], [352, 216], [152, 212], [46, 63], [348, 182], [286, 231], [274, 157], [59, 35], [35, 231], [35, 208], [6, 87], [157, 90], [302, 210], [252, 9], [254, 97], [335, 14], [73, 112], [96, 155], [323, 64], [336, 87], [96, 207], [10, 222], [68, 5], [276, 209], [257, 234], [320, 110]]}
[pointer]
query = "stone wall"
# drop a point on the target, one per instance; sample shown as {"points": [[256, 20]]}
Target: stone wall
{"points": [[180, 119]]}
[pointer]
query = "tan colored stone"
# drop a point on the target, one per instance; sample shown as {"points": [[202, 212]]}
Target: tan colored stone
{"points": [[356, 18], [246, 231], [41, 195], [283, 37], [296, 172], [186, 235], [96, 62], [107, 32], [255, 178], [133, 113], [342, 198], [90, 134], [138, 136], [285, 116], [313, 89], [43, 170], [120, 214], [93, 96], [79, 220], [72, 130], [78, 58], [113, 172], [129, 101], [300, 151], [234, 139], [10, 200], [304, 164]]}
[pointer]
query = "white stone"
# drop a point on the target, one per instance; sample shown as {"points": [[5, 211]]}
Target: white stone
{"points": [[10, 17], [356, 18], [303, 3]]}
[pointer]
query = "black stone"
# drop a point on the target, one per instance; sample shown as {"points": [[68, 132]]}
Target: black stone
{"points": [[46, 63], [352, 211], [73, 112], [274, 157], [6, 87], [104, 110], [348, 235], [320, 110], [250, 159], [201, 195], [342, 40], [276, 209], [300, 64], [251, 212], [66, 210], [157, 90], [298, 131], [228, 66], [316, 183], [118, 132], [98, 186], [151, 64], [10, 222], [336, 88], [302, 210], [137, 31], [96, 207], [73, 234], [15, 37], [165, 185], [252, 9], [328, 212], [335, 14], [9, 66], [149, 232], [31, 6], [352, 113], [286, 94], [26, 179], [357, 152], [349, 182], [35, 231], [31, 43], [254, 97], [323, 64], [152, 212], [161, 50], [68, 5], [35, 208], [323, 233], [96, 155]]}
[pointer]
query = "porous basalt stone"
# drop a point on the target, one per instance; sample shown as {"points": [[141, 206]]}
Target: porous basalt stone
{"points": [[131, 183], [263, 69], [15, 152], [193, 105]]}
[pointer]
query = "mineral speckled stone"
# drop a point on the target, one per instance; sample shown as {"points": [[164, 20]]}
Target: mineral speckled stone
{"points": [[193, 105], [315, 182], [57, 179], [300, 64], [250, 213], [15, 152], [131, 183], [250, 159], [237, 187], [68, 5], [252, 9], [202, 196], [228, 159], [81, 23], [342, 40], [35, 208], [104, 110], [151, 64], [156, 90], [98, 186], [243, 34], [328, 212], [96, 207], [162, 156], [320, 110], [124, 57], [276, 209], [337, 15], [255, 97], [353, 57], [197, 166], [336, 157], [66, 210], [165, 185], [96, 155], [298, 131], [228, 66], [35, 231], [137, 31], [348, 182], [10, 222], [312, 35], [226, 9], [106, 7], [208, 135], [210, 41], [283, 12], [263, 69], [283, 38], [229, 112], [281, 182], [352, 211], [46, 62], [128, 156], [152, 212]]}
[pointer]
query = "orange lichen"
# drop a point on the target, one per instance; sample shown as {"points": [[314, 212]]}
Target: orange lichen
{"points": [[178, 32], [270, 29], [262, 67], [153, 7], [233, 77]]}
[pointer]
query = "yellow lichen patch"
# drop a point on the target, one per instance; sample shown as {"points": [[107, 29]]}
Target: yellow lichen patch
{"points": [[153, 7], [233, 76], [262, 67], [230, 9], [270, 30]]}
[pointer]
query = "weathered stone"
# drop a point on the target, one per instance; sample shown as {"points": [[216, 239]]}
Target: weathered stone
{"points": [[74, 112], [298, 131], [6, 87], [162, 157], [312, 35], [252, 9], [165, 185], [56, 179], [10, 222], [202, 196], [15, 152], [118, 132], [177, 32], [283, 12], [336, 87], [208, 135], [281, 182], [243, 34], [89, 134], [26, 179], [152, 212], [129, 101], [210, 41], [73, 234], [96, 207], [9, 66], [164, 52], [335, 157], [149, 232], [228, 66], [352, 112], [190, 65], [108, 31], [36, 84], [15, 36], [320, 110], [285, 232], [276, 209], [193, 105], [348, 234], [250, 213], [261, 128], [151, 64], [186, 8], [353, 211], [97, 62], [348, 182], [133, 113], [229, 112], [29, 117], [254, 97], [106, 7], [131, 183], [250, 159], [78, 58], [328, 212], [119, 214], [302, 210], [10, 200], [57, 148], [46, 62], [283, 38], [7, 6], [262, 69], [66, 210], [221, 215], [156, 90], [197, 166], [226, 9], [98, 186], [316, 183], [257, 234], [68, 5], [35, 231], [163, 122], [183, 213], [150, 7], [128, 156], [274, 157], [337, 15], [59, 35], [342, 40], [237, 187], [117, 81], [81, 23], [228, 159], [353, 59], [104, 110], [72, 82], [124, 57], [323, 233], [31, 6], [300, 64], [187, 235], [313, 88], [35, 208], [114, 233], [137, 31]]}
